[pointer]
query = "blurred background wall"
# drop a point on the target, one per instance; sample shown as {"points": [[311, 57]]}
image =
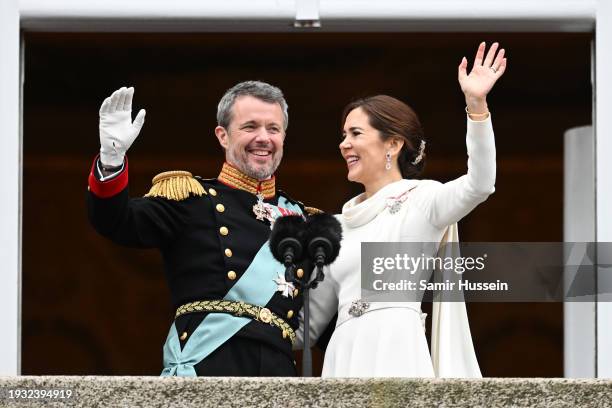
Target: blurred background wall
{"points": [[90, 307]]}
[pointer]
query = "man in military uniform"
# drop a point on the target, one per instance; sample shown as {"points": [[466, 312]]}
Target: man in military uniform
{"points": [[236, 314]]}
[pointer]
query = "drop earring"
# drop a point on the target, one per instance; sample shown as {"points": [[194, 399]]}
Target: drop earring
{"points": [[388, 164]]}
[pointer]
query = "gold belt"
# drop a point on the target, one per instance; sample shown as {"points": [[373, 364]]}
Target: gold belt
{"points": [[240, 309]]}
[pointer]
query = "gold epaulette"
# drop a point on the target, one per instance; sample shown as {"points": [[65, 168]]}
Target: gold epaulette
{"points": [[313, 211], [175, 185]]}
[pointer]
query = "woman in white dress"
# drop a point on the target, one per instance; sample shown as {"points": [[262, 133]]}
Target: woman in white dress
{"points": [[384, 147]]}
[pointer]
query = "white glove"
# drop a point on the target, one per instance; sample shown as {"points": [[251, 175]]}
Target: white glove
{"points": [[117, 132]]}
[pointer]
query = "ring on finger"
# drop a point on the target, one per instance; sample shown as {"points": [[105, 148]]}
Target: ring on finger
{"points": [[494, 70]]}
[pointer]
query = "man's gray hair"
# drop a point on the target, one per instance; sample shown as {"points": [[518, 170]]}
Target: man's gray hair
{"points": [[257, 89]]}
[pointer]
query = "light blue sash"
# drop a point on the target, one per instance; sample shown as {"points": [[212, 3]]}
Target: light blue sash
{"points": [[256, 286]]}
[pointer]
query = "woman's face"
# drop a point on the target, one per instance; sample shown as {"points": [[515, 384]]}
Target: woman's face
{"points": [[362, 148]]}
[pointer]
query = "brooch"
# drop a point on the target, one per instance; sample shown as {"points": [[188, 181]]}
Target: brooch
{"points": [[358, 307], [394, 204]]}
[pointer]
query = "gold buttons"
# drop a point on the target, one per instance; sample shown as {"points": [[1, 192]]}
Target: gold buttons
{"points": [[231, 275], [223, 231], [228, 252], [212, 192], [290, 314], [299, 273], [220, 207], [285, 334], [183, 336], [295, 293]]}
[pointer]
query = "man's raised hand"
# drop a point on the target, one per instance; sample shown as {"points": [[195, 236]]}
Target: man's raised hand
{"points": [[117, 131]]}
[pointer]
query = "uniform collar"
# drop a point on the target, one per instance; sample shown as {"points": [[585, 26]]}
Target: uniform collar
{"points": [[232, 177]]}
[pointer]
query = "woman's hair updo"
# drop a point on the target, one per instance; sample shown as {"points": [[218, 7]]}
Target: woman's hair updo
{"points": [[393, 118]]}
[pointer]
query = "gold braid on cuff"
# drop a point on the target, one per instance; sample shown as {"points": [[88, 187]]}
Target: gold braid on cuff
{"points": [[239, 309]]}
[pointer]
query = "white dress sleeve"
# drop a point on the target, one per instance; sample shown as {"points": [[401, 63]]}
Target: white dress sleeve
{"points": [[445, 204], [323, 307], [452, 350]]}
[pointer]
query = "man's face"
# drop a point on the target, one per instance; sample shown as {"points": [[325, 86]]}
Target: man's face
{"points": [[254, 141]]}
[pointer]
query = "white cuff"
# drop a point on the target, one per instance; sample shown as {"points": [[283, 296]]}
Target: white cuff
{"points": [[110, 176]]}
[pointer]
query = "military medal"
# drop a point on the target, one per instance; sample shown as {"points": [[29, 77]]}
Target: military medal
{"points": [[259, 209], [264, 211], [286, 288]]}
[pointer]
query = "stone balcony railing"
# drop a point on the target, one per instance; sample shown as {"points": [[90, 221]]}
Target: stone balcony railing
{"points": [[309, 392]]}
